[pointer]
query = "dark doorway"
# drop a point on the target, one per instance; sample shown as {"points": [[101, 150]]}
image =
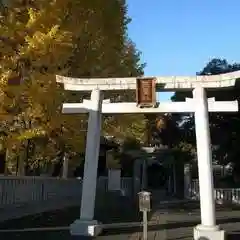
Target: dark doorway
{"points": [[156, 176]]}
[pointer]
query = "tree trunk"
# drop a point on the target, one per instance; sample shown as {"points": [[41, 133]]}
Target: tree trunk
{"points": [[21, 165]]}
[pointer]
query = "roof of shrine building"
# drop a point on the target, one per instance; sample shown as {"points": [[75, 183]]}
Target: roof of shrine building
{"points": [[166, 83]]}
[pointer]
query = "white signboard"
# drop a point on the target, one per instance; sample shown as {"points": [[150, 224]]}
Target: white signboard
{"points": [[114, 179]]}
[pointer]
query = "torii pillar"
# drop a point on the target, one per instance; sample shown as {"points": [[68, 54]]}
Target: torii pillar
{"points": [[86, 225], [208, 228]]}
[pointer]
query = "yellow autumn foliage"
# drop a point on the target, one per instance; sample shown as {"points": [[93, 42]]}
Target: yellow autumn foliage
{"points": [[39, 39]]}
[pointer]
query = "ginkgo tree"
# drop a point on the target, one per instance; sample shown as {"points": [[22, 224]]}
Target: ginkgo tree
{"points": [[39, 39], [36, 45]]}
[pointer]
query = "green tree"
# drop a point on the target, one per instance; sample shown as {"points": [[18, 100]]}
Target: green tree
{"points": [[224, 127]]}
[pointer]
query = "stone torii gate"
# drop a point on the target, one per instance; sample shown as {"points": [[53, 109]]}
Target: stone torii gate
{"points": [[199, 105]]}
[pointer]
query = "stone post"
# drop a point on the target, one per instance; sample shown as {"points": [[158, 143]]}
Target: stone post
{"points": [[65, 166], [187, 181]]}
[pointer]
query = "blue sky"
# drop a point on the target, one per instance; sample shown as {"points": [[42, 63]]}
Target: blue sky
{"points": [[180, 37]]}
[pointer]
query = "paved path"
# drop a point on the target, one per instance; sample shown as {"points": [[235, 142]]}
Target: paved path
{"points": [[167, 222]]}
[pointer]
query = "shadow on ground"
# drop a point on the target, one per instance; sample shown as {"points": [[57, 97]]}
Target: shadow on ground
{"points": [[113, 208], [121, 234], [110, 208], [168, 226]]}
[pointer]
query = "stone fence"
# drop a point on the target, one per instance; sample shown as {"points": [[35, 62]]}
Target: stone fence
{"points": [[222, 195], [21, 196]]}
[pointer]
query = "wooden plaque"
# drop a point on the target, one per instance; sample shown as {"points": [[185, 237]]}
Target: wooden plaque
{"points": [[146, 92]]}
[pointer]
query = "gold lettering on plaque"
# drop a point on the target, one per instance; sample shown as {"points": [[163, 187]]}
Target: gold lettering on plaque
{"points": [[146, 93]]}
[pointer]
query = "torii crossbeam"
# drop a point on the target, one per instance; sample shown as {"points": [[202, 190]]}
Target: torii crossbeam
{"points": [[164, 107], [199, 105]]}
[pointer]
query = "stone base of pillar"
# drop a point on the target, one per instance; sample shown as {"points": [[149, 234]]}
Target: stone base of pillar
{"points": [[86, 228], [201, 232]]}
